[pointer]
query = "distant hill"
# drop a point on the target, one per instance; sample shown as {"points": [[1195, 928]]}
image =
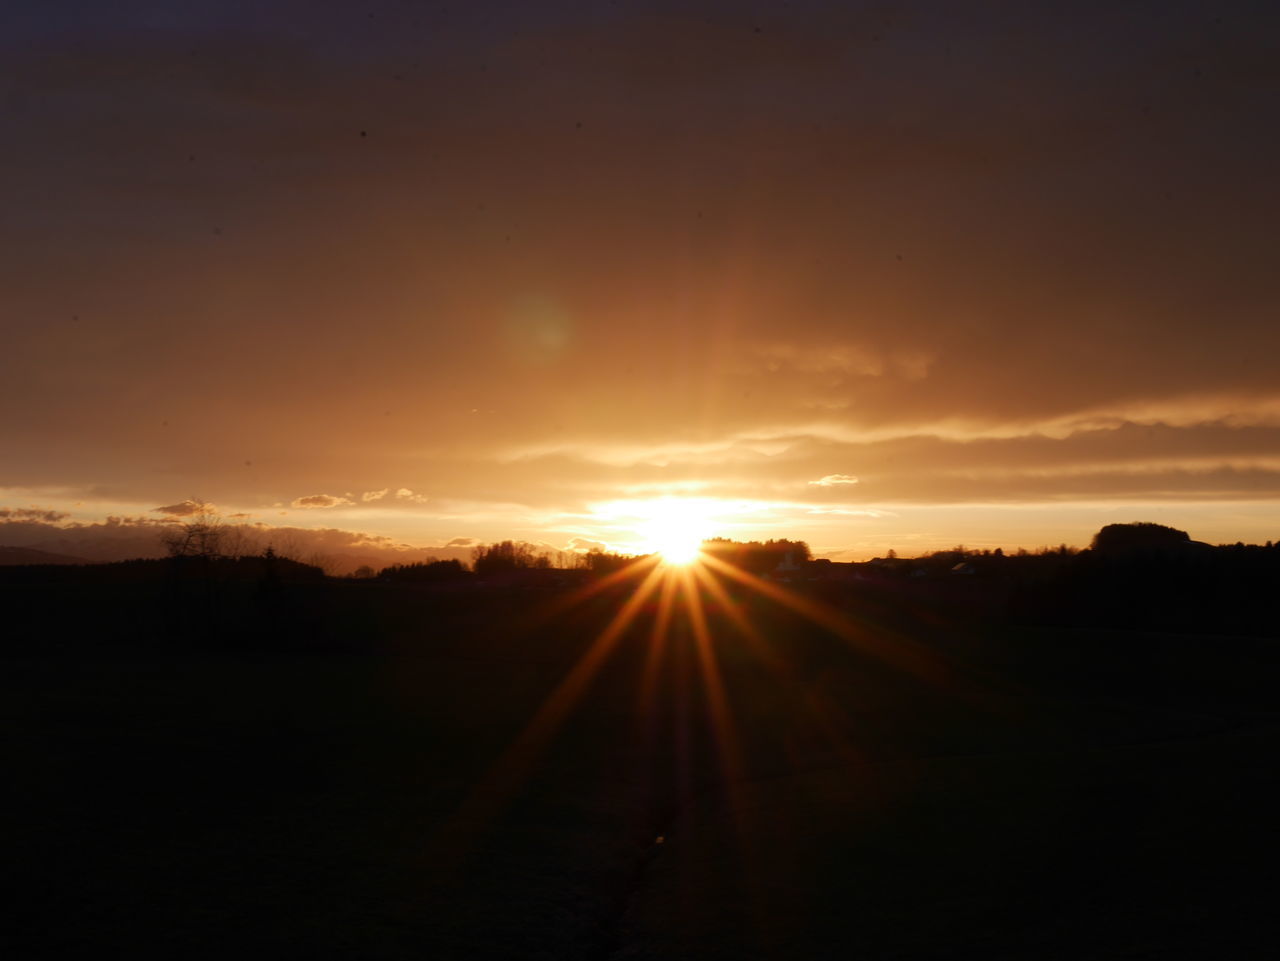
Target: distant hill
{"points": [[29, 555]]}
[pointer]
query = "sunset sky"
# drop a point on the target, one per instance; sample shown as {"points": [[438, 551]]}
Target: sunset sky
{"points": [[881, 275]]}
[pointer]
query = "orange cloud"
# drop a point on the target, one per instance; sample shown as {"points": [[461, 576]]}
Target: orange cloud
{"points": [[314, 501]]}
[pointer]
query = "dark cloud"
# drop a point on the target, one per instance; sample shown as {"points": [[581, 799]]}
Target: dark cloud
{"points": [[185, 508], [32, 514], [1183, 484], [1202, 460], [116, 538], [122, 538]]}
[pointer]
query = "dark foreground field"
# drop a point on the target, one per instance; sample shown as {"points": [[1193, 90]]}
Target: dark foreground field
{"points": [[384, 794]]}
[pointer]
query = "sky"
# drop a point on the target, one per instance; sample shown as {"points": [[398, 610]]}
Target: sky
{"points": [[875, 275]]}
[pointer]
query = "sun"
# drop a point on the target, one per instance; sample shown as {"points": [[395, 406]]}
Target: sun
{"points": [[679, 548], [675, 529]]}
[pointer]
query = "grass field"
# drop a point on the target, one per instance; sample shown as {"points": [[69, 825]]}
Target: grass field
{"points": [[1036, 794]]}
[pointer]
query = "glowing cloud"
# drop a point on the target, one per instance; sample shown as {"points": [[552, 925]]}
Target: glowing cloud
{"points": [[833, 480]]}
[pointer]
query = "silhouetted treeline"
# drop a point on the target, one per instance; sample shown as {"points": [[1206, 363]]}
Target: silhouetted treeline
{"points": [[424, 572], [1141, 576], [259, 602], [755, 556], [1134, 578], [179, 569], [759, 557], [1222, 590], [603, 562], [506, 557]]}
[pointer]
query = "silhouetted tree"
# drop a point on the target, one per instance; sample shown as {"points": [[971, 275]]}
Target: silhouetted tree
{"points": [[202, 535], [323, 561], [755, 556], [1138, 536], [603, 562], [507, 556]]}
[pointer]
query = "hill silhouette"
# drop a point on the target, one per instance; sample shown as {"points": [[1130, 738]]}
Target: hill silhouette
{"points": [[30, 555]]}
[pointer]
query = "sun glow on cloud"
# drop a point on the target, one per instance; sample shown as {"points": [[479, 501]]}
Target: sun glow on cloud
{"points": [[676, 543], [673, 527], [833, 480], [676, 527]]}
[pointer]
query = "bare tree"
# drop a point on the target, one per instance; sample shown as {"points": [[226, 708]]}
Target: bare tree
{"points": [[325, 562], [201, 535], [285, 544], [239, 540]]}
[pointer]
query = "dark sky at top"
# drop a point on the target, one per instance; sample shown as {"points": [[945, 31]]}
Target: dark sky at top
{"points": [[524, 257]]}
